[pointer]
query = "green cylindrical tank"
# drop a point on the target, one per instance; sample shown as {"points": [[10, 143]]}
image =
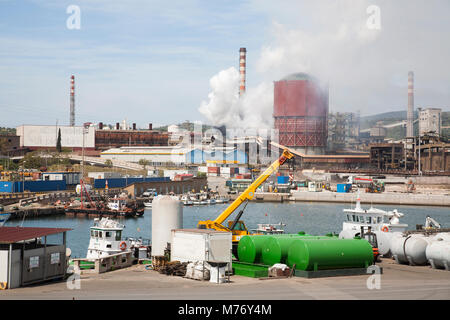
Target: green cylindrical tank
{"points": [[250, 247], [275, 249], [309, 254]]}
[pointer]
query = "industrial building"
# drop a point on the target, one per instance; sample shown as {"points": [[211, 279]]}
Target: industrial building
{"points": [[106, 138], [99, 137], [300, 113], [387, 155], [37, 137], [430, 121], [160, 156]]}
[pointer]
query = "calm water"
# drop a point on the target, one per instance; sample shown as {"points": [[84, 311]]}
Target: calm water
{"points": [[313, 218]]}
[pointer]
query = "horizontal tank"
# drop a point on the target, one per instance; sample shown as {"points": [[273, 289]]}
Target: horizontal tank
{"points": [[275, 249], [250, 247], [410, 249], [438, 254], [442, 235], [312, 255]]}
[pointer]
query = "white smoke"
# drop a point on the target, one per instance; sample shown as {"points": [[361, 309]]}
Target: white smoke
{"points": [[224, 107]]}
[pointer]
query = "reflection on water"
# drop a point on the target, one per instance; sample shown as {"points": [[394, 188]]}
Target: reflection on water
{"points": [[313, 218]]}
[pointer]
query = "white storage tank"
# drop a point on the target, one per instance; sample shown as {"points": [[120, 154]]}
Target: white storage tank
{"points": [[167, 214], [438, 254], [384, 242], [442, 235], [410, 249]]}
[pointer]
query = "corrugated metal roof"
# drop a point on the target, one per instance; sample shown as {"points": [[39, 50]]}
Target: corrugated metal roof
{"points": [[16, 234]]}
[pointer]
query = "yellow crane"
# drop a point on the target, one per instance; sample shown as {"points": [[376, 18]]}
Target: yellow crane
{"points": [[237, 227]]}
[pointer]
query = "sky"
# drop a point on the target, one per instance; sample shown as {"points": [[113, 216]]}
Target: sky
{"points": [[164, 62]]}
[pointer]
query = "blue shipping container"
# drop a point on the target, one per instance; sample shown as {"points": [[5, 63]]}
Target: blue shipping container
{"points": [[283, 179], [6, 186], [123, 182], [343, 187]]}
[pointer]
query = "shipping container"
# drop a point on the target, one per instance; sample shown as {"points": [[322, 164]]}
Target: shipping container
{"points": [[213, 169], [344, 187], [200, 245], [123, 182], [283, 179]]}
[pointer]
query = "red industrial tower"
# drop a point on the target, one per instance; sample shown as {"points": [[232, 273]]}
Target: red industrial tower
{"points": [[301, 113]]}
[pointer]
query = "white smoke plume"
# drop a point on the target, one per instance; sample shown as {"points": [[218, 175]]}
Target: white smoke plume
{"points": [[365, 68], [224, 107]]}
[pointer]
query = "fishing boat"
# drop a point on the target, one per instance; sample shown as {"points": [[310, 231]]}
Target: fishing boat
{"points": [[148, 203], [268, 228], [3, 218], [115, 207], [186, 200], [222, 200]]}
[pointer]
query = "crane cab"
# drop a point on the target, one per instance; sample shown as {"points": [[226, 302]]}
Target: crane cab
{"points": [[239, 230]]}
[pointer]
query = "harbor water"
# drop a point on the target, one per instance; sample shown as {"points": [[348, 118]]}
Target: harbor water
{"points": [[313, 218]]}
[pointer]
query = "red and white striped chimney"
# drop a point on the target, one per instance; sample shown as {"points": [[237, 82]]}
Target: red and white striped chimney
{"points": [[242, 62], [72, 101]]}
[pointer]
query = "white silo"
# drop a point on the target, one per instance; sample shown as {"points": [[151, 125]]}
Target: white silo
{"points": [[167, 214]]}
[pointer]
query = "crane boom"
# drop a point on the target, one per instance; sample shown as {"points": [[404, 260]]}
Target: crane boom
{"points": [[248, 194]]}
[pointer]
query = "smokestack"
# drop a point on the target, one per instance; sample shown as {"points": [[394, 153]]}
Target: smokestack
{"points": [[410, 114], [242, 62], [72, 101]]}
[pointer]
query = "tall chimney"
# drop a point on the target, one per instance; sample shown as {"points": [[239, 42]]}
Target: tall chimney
{"points": [[72, 101], [410, 114], [242, 62]]}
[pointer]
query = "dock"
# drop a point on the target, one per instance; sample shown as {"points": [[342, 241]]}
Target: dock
{"points": [[396, 282]]}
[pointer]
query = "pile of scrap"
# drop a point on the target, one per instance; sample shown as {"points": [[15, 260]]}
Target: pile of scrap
{"points": [[174, 268]]}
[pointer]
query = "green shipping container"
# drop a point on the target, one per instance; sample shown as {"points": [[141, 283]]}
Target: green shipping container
{"points": [[312, 255], [275, 249]]}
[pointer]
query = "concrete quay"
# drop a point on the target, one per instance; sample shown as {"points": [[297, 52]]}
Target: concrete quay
{"points": [[442, 200], [397, 282]]}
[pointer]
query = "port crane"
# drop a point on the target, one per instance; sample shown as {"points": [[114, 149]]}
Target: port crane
{"points": [[237, 227]]}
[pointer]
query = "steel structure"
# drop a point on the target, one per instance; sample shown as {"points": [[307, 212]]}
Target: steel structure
{"points": [[300, 113]]}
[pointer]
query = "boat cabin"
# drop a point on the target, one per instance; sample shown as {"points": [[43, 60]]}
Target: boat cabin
{"points": [[106, 239]]}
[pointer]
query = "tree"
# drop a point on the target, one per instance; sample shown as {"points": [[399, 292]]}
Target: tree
{"points": [[58, 142], [108, 163], [144, 163]]}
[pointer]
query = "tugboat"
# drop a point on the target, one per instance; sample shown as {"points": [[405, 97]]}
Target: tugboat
{"points": [[373, 218], [106, 239]]}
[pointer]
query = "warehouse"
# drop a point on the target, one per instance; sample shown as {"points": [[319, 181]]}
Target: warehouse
{"points": [[160, 156], [39, 137]]}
